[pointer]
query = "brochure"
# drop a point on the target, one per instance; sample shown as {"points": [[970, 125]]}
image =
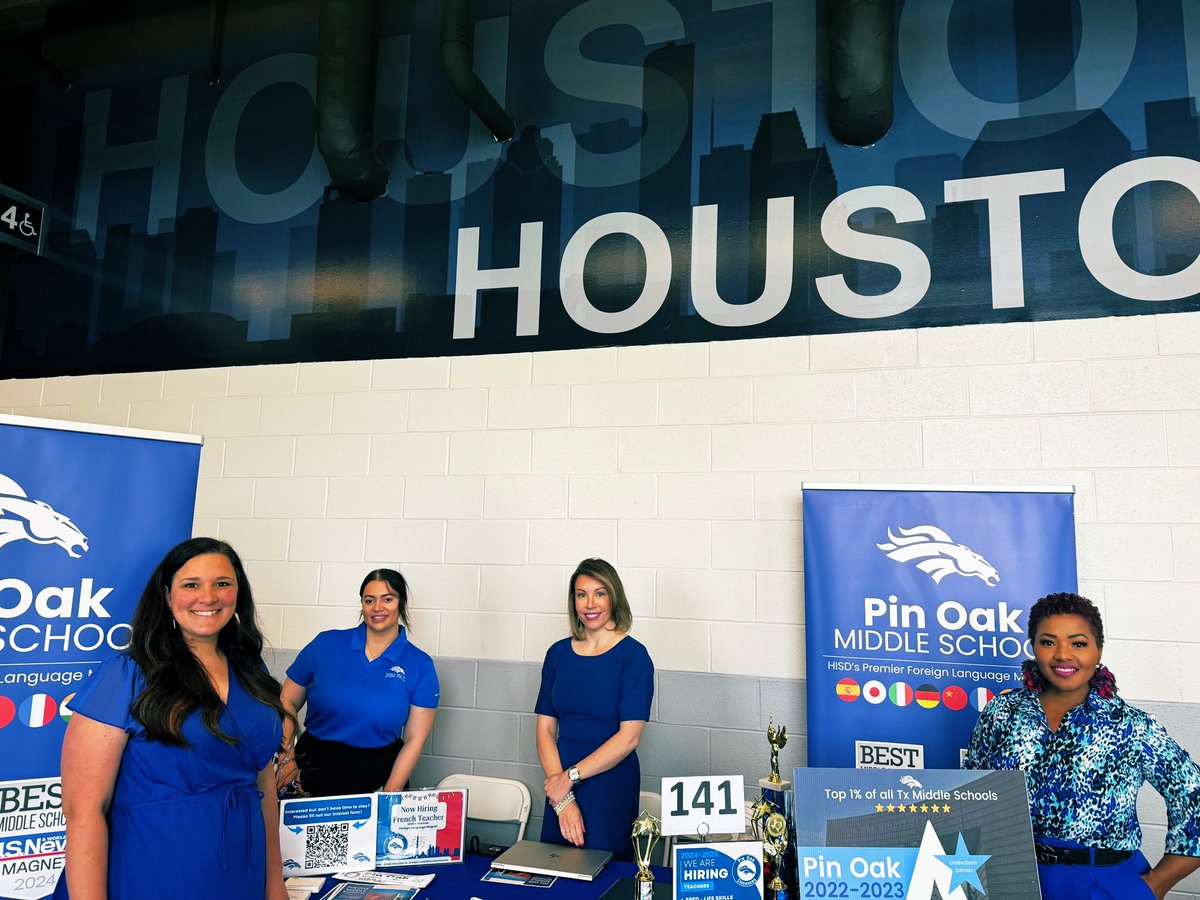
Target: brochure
{"points": [[352, 891], [528, 879]]}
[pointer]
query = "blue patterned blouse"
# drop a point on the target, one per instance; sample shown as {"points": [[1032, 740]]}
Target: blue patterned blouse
{"points": [[1084, 778]]}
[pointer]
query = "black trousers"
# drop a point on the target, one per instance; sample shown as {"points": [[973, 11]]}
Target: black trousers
{"points": [[331, 767]]}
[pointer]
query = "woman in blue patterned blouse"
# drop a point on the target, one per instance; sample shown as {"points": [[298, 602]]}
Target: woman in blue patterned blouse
{"points": [[1085, 754]]}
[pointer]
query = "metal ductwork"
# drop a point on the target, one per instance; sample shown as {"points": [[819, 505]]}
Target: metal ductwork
{"points": [[456, 62], [861, 47], [345, 98]]}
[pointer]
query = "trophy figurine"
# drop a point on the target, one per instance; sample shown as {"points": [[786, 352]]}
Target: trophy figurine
{"points": [[770, 826], [777, 738], [646, 832], [775, 832]]}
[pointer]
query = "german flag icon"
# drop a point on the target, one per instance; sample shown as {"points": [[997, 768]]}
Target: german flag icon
{"points": [[928, 696]]}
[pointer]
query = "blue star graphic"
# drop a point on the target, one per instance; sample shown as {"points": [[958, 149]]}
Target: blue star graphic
{"points": [[964, 866]]}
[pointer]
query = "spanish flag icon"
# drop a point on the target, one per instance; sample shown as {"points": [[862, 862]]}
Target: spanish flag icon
{"points": [[848, 690]]}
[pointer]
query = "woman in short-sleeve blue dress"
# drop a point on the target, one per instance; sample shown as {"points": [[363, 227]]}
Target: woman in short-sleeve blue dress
{"points": [[594, 701], [184, 817], [167, 759]]}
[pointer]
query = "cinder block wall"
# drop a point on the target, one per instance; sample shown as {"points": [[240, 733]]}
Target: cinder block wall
{"points": [[487, 478]]}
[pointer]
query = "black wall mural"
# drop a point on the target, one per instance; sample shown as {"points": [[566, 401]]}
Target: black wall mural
{"points": [[672, 179]]}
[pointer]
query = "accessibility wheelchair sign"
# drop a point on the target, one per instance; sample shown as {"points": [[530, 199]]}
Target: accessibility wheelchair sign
{"points": [[22, 220]]}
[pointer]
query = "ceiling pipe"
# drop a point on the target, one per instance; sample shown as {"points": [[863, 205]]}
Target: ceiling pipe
{"points": [[861, 48], [216, 41], [346, 42], [456, 63]]}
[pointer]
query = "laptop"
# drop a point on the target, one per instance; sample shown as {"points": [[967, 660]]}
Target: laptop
{"points": [[553, 859]]}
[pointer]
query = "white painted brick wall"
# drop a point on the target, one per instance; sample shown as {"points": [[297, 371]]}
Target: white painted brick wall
{"points": [[486, 479]]}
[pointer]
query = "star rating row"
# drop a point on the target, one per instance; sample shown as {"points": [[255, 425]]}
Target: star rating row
{"points": [[913, 807]]}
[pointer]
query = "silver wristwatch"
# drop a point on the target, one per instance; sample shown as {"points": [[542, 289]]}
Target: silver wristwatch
{"points": [[573, 774]]}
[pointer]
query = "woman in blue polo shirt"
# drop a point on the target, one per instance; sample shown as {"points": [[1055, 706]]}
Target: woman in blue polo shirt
{"points": [[371, 695]]}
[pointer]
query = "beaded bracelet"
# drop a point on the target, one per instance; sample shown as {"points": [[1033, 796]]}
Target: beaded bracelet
{"points": [[564, 803]]}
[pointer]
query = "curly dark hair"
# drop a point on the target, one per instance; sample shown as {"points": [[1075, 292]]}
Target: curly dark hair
{"points": [[1068, 604], [176, 682]]}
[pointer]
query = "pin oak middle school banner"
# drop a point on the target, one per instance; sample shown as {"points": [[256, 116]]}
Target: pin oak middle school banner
{"points": [[916, 607], [86, 512]]}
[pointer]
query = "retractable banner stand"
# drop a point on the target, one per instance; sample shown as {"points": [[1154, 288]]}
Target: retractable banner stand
{"points": [[916, 606], [86, 512]]}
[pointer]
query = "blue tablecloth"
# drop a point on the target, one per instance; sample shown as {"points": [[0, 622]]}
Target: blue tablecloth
{"points": [[460, 881]]}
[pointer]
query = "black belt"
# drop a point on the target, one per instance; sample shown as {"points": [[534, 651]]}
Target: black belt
{"points": [[1079, 856]]}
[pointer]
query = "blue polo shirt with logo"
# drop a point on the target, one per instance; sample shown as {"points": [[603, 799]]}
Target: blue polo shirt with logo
{"points": [[361, 702]]}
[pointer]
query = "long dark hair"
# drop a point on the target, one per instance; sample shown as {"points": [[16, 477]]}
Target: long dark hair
{"points": [[176, 682]]}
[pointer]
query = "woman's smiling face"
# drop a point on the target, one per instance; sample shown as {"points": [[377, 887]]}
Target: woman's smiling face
{"points": [[203, 596], [1066, 652], [380, 607], [593, 605]]}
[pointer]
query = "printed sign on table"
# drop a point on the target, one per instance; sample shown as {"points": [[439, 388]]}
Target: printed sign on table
{"points": [[420, 828], [885, 834], [730, 870], [324, 835]]}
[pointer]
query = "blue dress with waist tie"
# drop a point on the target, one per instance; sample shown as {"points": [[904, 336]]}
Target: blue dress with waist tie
{"points": [[183, 820], [591, 696]]}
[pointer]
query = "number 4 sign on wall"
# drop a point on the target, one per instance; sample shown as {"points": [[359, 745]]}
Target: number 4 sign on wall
{"points": [[703, 805]]}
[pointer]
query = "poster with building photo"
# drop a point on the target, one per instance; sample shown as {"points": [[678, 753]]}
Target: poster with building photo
{"points": [[934, 833]]}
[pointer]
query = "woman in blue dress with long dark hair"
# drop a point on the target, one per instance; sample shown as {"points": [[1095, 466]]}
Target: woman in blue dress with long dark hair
{"points": [[168, 762], [597, 686]]}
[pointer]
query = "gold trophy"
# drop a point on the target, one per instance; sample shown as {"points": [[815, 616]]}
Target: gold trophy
{"points": [[775, 837], [777, 738], [646, 832], [770, 827]]}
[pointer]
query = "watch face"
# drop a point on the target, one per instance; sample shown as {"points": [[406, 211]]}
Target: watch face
{"points": [[573, 773]]}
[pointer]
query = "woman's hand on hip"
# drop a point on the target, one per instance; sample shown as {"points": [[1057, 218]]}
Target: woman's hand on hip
{"points": [[570, 823], [557, 787]]}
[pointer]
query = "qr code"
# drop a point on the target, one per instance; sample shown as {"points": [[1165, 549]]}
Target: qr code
{"points": [[326, 846]]}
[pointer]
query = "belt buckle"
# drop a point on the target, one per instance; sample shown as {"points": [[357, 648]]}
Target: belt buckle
{"points": [[1046, 855]]}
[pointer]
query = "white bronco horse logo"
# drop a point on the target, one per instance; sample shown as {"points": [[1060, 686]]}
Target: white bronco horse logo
{"points": [[909, 781], [22, 519], [939, 555]]}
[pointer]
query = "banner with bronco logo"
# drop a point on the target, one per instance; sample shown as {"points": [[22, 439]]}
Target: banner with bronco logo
{"points": [[86, 512], [916, 603]]}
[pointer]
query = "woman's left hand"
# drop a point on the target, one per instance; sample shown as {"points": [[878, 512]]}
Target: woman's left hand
{"points": [[570, 824], [557, 787]]}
